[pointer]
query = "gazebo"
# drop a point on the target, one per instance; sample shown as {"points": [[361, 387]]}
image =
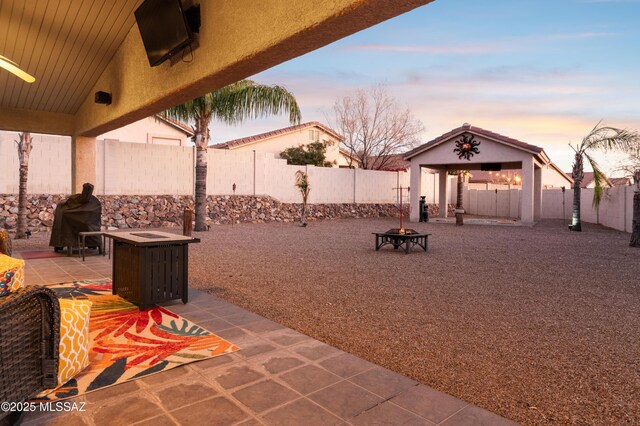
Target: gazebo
{"points": [[472, 148]]}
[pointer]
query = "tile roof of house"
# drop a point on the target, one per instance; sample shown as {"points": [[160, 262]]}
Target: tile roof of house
{"points": [[175, 123], [623, 181], [466, 127], [262, 136], [348, 154], [587, 178], [393, 163]]}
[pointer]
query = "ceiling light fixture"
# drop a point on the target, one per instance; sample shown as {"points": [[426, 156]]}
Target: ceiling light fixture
{"points": [[13, 68]]}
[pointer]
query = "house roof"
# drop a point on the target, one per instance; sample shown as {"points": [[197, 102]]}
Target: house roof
{"points": [[623, 181], [348, 155], [466, 127], [177, 124], [263, 136], [392, 162], [587, 178]]}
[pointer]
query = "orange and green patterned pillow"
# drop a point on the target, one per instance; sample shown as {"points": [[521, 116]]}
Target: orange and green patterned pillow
{"points": [[11, 274]]}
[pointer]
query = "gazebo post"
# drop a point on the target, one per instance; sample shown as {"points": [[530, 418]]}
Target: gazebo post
{"points": [[416, 189], [443, 192], [527, 195], [537, 193]]}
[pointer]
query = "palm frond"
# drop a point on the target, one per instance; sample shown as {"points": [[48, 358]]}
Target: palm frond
{"points": [[599, 179], [246, 99], [609, 138]]}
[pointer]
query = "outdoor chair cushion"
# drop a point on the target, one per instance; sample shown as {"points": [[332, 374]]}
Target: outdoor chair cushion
{"points": [[74, 339], [11, 274]]}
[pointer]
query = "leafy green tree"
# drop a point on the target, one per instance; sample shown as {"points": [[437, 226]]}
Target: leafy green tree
{"points": [[232, 104], [313, 154], [600, 138]]}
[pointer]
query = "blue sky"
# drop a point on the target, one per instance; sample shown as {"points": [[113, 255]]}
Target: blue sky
{"points": [[542, 71]]}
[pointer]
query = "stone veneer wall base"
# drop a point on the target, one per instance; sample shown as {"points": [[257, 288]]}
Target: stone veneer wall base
{"points": [[147, 211]]}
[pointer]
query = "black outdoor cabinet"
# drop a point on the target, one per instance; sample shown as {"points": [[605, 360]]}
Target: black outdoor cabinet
{"points": [[150, 268]]}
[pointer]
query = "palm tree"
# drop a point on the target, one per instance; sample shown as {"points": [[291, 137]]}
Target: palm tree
{"points": [[603, 138], [302, 182], [24, 151], [460, 188], [232, 104]]}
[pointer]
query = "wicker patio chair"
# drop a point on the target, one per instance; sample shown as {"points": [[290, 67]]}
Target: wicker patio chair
{"points": [[29, 339]]}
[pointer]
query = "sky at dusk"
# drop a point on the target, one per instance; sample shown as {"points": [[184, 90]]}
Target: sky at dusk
{"points": [[544, 71]]}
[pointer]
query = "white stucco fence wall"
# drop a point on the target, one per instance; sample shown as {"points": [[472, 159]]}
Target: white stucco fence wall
{"points": [[124, 168], [615, 210], [49, 164]]}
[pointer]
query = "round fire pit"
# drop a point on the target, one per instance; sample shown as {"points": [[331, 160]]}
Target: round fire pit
{"points": [[401, 231]]}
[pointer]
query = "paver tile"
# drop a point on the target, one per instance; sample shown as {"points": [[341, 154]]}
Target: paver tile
{"points": [[264, 395]]}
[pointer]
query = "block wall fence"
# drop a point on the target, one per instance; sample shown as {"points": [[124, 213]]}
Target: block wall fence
{"points": [[133, 169], [144, 169]]}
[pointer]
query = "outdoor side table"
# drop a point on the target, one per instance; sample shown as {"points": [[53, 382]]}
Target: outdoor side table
{"points": [[150, 268], [82, 239]]}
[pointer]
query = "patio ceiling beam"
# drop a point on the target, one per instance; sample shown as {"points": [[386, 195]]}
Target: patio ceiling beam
{"points": [[237, 39], [20, 120]]}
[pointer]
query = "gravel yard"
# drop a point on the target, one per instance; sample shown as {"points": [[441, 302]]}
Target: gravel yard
{"points": [[540, 325]]}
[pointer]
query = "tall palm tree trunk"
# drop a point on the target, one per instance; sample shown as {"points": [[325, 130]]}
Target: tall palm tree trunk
{"points": [[575, 216], [201, 189], [24, 151], [577, 174], [460, 187]]}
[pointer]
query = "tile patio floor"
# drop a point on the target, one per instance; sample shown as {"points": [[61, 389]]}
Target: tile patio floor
{"points": [[279, 377]]}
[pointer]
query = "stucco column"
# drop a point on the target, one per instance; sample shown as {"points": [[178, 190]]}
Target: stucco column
{"points": [[537, 193], [416, 189], [526, 199], [443, 192], [83, 162]]}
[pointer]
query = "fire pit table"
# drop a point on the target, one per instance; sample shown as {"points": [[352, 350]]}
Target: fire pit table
{"points": [[151, 267], [399, 237]]}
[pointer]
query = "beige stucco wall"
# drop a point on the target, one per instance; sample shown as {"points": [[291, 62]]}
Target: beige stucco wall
{"points": [[148, 130], [278, 143]]}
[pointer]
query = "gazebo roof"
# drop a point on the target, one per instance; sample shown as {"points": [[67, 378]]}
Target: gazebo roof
{"points": [[467, 128]]}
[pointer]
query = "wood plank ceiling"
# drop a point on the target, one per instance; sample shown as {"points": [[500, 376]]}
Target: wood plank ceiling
{"points": [[64, 44]]}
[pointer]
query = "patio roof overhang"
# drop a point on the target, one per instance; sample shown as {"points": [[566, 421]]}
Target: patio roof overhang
{"points": [[75, 49]]}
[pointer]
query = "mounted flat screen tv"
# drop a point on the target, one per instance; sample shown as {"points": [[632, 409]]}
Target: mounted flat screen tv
{"points": [[163, 28]]}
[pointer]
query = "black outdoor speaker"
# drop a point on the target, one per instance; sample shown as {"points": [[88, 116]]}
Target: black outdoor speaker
{"points": [[103, 98]]}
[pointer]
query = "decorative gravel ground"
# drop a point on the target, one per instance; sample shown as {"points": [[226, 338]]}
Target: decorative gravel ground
{"points": [[540, 325]]}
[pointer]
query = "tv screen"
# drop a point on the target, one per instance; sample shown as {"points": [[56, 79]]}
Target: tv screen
{"points": [[163, 28]]}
